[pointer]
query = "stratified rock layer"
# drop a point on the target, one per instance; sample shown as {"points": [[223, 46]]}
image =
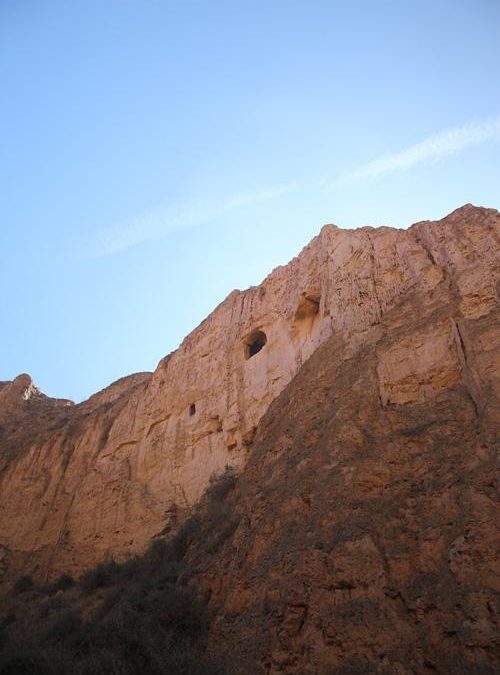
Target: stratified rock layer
{"points": [[101, 478]]}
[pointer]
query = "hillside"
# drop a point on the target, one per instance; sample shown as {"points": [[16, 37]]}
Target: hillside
{"points": [[367, 537], [355, 395]]}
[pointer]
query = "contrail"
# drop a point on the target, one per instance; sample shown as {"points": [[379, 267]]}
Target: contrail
{"points": [[430, 150], [157, 223]]}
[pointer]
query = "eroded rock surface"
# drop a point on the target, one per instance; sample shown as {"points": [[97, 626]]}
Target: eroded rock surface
{"points": [[364, 532], [81, 482]]}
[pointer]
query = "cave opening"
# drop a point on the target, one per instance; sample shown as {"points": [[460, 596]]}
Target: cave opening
{"points": [[192, 409], [308, 307], [254, 343], [306, 315]]}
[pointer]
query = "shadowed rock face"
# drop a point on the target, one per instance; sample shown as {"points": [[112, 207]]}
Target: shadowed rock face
{"points": [[399, 323], [367, 538]]}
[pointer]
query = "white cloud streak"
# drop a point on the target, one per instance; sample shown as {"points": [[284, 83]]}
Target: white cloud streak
{"points": [[158, 223], [430, 150]]}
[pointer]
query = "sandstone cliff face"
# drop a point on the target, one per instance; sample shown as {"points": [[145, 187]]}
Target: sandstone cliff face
{"points": [[364, 536], [82, 482]]}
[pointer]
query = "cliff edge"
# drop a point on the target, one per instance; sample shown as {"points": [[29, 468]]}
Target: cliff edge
{"points": [[79, 483]]}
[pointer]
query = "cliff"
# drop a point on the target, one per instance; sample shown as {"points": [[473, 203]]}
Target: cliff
{"points": [[363, 531], [410, 313]]}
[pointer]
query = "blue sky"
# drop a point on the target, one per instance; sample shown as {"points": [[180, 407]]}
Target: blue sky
{"points": [[157, 154]]}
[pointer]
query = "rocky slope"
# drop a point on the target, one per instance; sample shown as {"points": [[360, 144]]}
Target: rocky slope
{"points": [[399, 322], [364, 531]]}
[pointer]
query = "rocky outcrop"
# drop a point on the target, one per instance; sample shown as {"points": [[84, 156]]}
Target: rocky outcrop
{"points": [[82, 482], [364, 536]]}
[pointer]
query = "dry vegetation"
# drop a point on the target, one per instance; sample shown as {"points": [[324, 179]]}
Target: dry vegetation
{"points": [[138, 617]]}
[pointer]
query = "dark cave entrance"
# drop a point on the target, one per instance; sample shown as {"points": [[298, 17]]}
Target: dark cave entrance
{"points": [[254, 343]]}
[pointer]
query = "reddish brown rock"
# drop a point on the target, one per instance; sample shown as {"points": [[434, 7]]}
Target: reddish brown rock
{"points": [[365, 535], [101, 478]]}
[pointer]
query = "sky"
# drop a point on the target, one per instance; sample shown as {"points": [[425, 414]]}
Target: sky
{"points": [[157, 154]]}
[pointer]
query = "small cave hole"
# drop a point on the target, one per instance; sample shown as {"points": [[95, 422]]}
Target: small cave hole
{"points": [[254, 343], [307, 308], [192, 409], [306, 314]]}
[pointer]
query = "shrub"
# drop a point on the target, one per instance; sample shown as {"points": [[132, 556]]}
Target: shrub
{"points": [[143, 622], [131, 568], [103, 574], [54, 605], [23, 584], [64, 582], [62, 626], [187, 532], [28, 660], [220, 486], [156, 556]]}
